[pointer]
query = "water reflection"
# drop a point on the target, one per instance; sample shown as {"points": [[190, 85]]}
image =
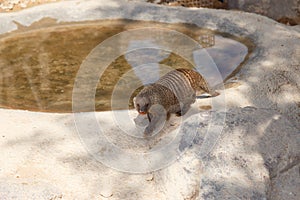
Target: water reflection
{"points": [[218, 52], [227, 54], [224, 53], [151, 54]]}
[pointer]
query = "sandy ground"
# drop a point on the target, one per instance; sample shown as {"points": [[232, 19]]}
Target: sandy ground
{"points": [[43, 158]]}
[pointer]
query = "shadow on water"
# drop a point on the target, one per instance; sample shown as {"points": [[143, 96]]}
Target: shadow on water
{"points": [[39, 63]]}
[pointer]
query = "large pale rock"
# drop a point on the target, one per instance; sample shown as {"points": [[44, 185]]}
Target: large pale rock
{"points": [[239, 166], [256, 157]]}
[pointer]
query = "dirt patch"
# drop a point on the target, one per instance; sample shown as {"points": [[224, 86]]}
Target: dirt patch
{"points": [[15, 5]]}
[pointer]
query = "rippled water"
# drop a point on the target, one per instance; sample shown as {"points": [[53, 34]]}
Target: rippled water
{"points": [[39, 63]]}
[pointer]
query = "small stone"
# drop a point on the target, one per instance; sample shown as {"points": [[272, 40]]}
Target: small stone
{"points": [[8, 7], [149, 177], [106, 192], [23, 5], [14, 1]]}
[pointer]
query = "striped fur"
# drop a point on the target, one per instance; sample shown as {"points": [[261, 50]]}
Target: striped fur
{"points": [[175, 92]]}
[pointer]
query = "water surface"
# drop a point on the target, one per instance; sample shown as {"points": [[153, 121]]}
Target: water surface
{"points": [[39, 63]]}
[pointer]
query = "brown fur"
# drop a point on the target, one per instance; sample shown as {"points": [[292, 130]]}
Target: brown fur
{"points": [[174, 92]]}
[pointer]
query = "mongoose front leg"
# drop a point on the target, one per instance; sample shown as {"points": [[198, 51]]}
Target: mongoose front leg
{"points": [[186, 105], [152, 125], [149, 116], [157, 116]]}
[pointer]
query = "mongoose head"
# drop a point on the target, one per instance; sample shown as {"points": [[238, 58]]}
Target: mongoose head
{"points": [[141, 104]]}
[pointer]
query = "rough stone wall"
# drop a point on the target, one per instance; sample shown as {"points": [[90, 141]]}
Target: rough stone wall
{"points": [[287, 11]]}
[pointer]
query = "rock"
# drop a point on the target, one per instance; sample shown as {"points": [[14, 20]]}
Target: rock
{"points": [[237, 167], [106, 193], [286, 12], [256, 156], [283, 11], [23, 5], [150, 177]]}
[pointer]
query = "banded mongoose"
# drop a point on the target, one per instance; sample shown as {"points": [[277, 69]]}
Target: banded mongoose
{"points": [[175, 92]]}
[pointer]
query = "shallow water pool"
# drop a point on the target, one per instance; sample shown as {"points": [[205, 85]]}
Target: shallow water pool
{"points": [[39, 63]]}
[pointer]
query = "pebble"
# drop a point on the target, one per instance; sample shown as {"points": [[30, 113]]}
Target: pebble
{"points": [[106, 193], [7, 7], [23, 5], [14, 1], [149, 177]]}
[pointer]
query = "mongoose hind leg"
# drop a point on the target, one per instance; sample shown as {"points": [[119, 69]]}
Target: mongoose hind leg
{"points": [[186, 105], [183, 110]]}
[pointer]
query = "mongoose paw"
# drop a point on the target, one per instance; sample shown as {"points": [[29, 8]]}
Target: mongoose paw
{"points": [[183, 111], [148, 131], [178, 114]]}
